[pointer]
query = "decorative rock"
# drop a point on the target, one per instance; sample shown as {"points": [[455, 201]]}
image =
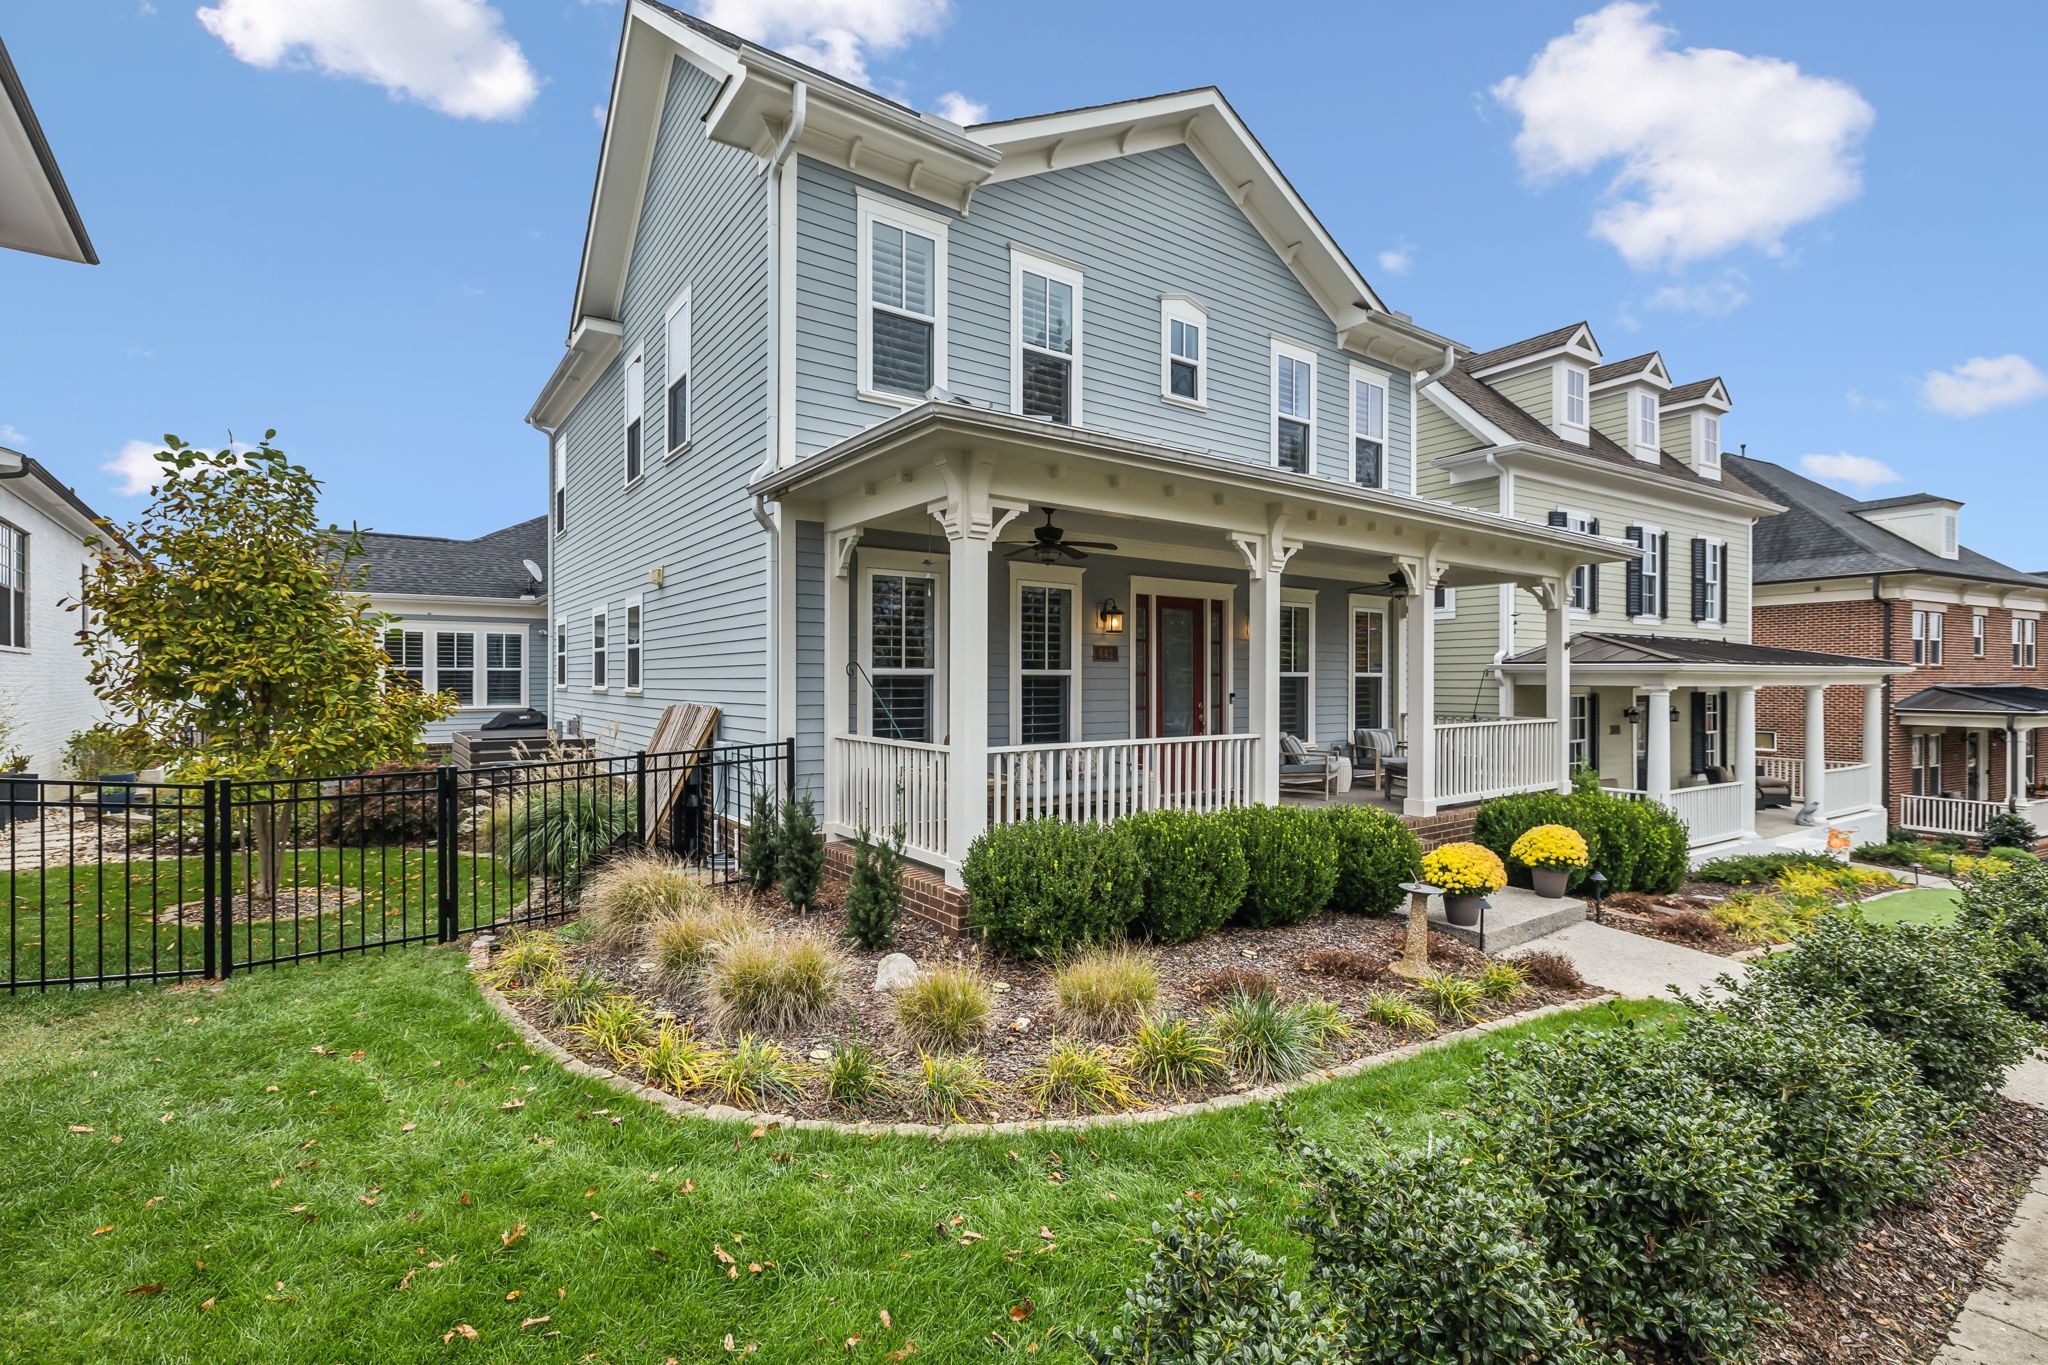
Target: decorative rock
{"points": [[1021, 1024], [894, 972], [999, 986], [821, 1054]]}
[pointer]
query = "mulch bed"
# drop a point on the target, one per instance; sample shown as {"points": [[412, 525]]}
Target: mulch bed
{"points": [[1892, 1300], [1024, 1016], [291, 903], [1675, 917]]}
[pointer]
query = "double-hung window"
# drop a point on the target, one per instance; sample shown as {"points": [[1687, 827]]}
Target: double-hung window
{"points": [[633, 613], [1183, 376], [902, 627], [1654, 542], [561, 651], [636, 411], [1368, 428], [1714, 565], [1044, 607], [2025, 643], [1046, 302], [1977, 631], [407, 652], [1297, 669], [1927, 639], [1646, 419], [600, 650], [455, 665], [1574, 397], [1581, 737], [903, 291], [1368, 668], [1927, 765], [1294, 407], [1709, 459], [676, 363], [13, 586], [561, 463], [505, 668]]}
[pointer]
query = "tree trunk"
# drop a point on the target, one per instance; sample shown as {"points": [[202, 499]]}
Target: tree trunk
{"points": [[264, 854]]}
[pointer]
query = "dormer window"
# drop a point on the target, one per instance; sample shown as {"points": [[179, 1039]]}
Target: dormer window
{"points": [[1574, 397], [1709, 461], [1646, 420], [1949, 546]]}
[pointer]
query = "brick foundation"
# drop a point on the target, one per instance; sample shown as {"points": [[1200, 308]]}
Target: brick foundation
{"points": [[1445, 827], [925, 893]]}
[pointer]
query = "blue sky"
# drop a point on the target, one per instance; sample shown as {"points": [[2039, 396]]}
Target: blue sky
{"points": [[363, 229]]}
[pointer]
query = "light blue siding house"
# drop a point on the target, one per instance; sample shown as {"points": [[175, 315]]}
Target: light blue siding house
{"points": [[1053, 466]]}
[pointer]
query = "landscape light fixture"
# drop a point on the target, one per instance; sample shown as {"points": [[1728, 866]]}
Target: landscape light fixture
{"points": [[1597, 881]]}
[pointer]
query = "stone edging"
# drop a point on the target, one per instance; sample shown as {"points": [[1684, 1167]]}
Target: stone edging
{"points": [[479, 959]]}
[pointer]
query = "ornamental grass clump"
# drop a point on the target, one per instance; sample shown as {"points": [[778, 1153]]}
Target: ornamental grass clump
{"points": [[528, 959], [946, 1008], [616, 1026], [1501, 980], [559, 829], [1454, 998], [679, 943], [1174, 1054], [628, 894], [1104, 991], [949, 1088], [1265, 1040], [1551, 848], [857, 1074], [1464, 869], [1391, 1009], [751, 1073], [566, 998], [1078, 1076], [675, 1059], [770, 983]]}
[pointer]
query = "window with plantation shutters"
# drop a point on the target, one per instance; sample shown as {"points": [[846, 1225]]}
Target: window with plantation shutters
{"points": [[903, 653], [902, 277], [1294, 406], [1048, 311], [1583, 595], [406, 651], [1368, 669], [1045, 663], [455, 665], [505, 668], [1368, 428], [1297, 650]]}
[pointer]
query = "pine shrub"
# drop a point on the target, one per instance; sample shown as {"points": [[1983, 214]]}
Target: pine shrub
{"points": [[760, 858], [800, 853], [874, 891], [1194, 873]]}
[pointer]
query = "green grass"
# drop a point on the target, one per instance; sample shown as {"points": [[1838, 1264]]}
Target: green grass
{"points": [[1929, 905], [102, 917], [246, 1158]]}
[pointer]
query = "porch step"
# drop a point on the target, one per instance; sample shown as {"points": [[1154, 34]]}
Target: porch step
{"points": [[1514, 917]]}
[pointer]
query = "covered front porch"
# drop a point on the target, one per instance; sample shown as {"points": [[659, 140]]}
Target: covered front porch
{"points": [[1972, 752], [1019, 620], [1673, 720]]}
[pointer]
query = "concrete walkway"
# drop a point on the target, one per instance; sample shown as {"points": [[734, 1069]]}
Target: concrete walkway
{"points": [[1631, 964]]}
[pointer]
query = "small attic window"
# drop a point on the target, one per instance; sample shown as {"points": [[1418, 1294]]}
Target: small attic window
{"points": [[1950, 548], [1574, 397], [1710, 444], [1646, 420]]}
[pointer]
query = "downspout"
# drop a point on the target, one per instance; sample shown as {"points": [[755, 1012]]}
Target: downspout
{"points": [[771, 179], [1428, 377]]}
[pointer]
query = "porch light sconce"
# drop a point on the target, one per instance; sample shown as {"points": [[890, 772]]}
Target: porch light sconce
{"points": [[1631, 714], [1598, 882], [1110, 617]]}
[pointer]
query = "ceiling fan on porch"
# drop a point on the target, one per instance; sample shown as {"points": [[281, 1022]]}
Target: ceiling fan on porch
{"points": [[1050, 544]]}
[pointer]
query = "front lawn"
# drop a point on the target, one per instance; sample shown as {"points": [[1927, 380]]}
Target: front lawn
{"points": [[1929, 905], [352, 1160]]}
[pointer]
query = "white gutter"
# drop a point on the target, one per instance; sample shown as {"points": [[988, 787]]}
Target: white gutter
{"points": [[771, 178], [1429, 377]]}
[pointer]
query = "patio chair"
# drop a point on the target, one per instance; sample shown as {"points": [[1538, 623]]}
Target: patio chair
{"points": [[1306, 769], [1375, 751], [1772, 793]]}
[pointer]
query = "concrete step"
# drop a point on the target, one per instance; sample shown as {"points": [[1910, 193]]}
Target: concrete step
{"points": [[1514, 917]]}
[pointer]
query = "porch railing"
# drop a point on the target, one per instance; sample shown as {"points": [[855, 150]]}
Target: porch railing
{"points": [[1793, 770], [1946, 815], [1107, 779], [891, 783], [1847, 788], [1712, 813], [1476, 760]]}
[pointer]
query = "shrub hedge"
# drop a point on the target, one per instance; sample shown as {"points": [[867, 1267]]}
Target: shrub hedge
{"points": [[1290, 859], [1638, 845], [1375, 854], [1194, 873], [1041, 887], [2013, 909]]}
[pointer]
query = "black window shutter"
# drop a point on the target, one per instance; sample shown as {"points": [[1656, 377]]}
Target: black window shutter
{"points": [[1593, 731], [1635, 574], [1722, 757], [1700, 758], [1559, 520], [1699, 579], [1664, 578], [1727, 588], [1593, 574]]}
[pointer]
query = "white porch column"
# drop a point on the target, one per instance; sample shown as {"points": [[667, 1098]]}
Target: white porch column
{"points": [[838, 584], [1418, 664], [1814, 767], [1658, 750], [1265, 683], [1557, 673], [966, 689], [1873, 741], [1745, 755]]}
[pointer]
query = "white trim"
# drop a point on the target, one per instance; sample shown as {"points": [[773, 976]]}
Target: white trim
{"points": [[1366, 375], [1305, 355], [671, 372], [1716, 565], [558, 664], [524, 670], [1580, 346], [1577, 519], [558, 459], [1184, 310], [1560, 402], [874, 209], [1447, 608], [1377, 606], [908, 563], [1642, 405], [633, 409], [1023, 259], [600, 643], [1155, 588], [1706, 454], [1023, 575], [633, 644], [1300, 599], [475, 701]]}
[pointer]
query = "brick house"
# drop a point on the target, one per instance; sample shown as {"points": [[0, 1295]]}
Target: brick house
{"points": [[1891, 578]]}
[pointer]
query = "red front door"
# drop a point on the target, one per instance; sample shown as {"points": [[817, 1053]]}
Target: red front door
{"points": [[1180, 669]]}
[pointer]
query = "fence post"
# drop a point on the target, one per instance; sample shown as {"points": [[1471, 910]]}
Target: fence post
{"points": [[444, 830], [209, 862], [789, 768], [224, 878], [640, 830]]}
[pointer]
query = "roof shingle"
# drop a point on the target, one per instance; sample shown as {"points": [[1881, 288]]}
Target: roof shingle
{"points": [[438, 566]]}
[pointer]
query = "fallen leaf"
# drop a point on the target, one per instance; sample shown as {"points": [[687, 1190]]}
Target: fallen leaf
{"points": [[275, 1183], [884, 1316], [513, 1295], [513, 1104], [152, 1203], [1021, 1311], [145, 1289], [534, 1322], [81, 1128], [596, 1217], [851, 1342], [464, 1201], [517, 1231], [753, 1267], [1045, 1233], [105, 1227], [908, 1350], [367, 1198], [408, 1127], [724, 1256], [207, 1306], [461, 1329]]}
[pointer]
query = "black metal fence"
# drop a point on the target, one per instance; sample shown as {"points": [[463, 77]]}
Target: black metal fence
{"points": [[110, 883]]}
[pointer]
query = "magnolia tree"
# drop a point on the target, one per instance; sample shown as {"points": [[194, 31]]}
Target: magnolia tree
{"points": [[236, 639]]}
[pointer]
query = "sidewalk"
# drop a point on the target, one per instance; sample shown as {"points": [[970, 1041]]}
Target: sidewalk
{"points": [[1631, 964]]}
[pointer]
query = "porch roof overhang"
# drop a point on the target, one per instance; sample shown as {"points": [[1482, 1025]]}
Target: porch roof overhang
{"points": [[1975, 708], [1599, 657], [909, 467]]}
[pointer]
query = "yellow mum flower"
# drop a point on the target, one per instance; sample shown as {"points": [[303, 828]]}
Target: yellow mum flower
{"points": [[1464, 870], [1557, 847]]}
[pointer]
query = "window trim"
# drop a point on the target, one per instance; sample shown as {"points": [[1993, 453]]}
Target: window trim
{"points": [[1716, 563], [398, 626], [1577, 431], [633, 412], [600, 648], [1706, 454], [1643, 406], [632, 644], [1443, 604], [1365, 374], [1929, 650], [475, 667], [1919, 771], [1184, 310], [484, 637], [1307, 355], [1980, 633], [1652, 584], [1023, 575], [679, 304], [21, 537], [1301, 599], [868, 563], [872, 209], [1023, 259], [2026, 642], [1579, 585], [561, 664]]}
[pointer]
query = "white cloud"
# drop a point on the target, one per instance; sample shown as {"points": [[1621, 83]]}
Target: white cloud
{"points": [[1397, 260], [833, 35], [1860, 472], [1859, 401], [960, 109], [450, 55], [11, 436], [598, 112], [1715, 149], [136, 470], [1712, 298], [1984, 384]]}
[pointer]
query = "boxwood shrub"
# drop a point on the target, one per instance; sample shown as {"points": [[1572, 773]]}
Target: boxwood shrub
{"points": [[2012, 908], [1194, 873], [1041, 887], [1375, 854], [1639, 845], [1290, 858]]}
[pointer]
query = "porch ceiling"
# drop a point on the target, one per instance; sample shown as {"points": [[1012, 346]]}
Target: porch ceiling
{"points": [[1159, 501]]}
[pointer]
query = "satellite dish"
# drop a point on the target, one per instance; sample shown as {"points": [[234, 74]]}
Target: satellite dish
{"points": [[534, 569]]}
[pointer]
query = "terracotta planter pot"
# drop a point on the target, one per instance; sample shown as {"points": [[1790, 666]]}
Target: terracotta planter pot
{"points": [[1549, 882], [1463, 911]]}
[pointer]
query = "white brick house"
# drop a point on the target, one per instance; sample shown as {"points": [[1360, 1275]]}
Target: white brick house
{"points": [[43, 556]]}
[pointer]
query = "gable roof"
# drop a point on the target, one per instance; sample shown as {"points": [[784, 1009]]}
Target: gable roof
{"points": [[56, 498], [36, 212], [1649, 363], [1823, 535], [1532, 346], [437, 566], [1695, 391], [1905, 500]]}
